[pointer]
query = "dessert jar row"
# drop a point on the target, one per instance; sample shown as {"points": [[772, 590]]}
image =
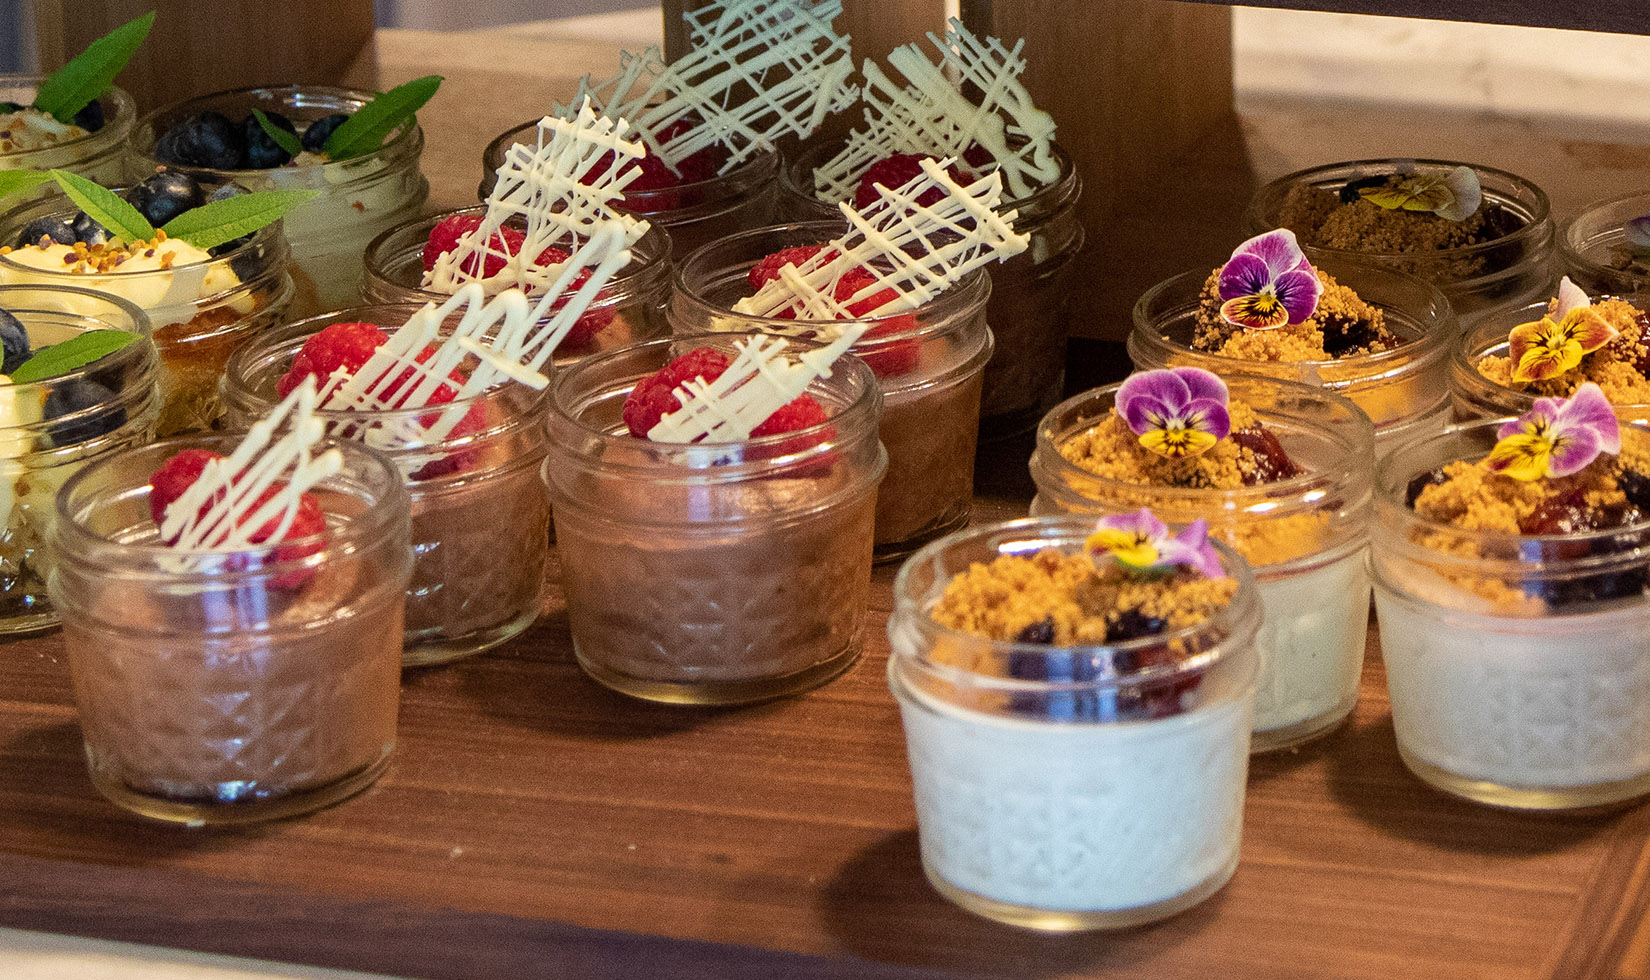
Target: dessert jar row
{"points": [[96, 155]]}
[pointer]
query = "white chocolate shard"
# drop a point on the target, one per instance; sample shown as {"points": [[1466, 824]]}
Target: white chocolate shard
{"points": [[543, 189], [931, 115], [760, 69], [223, 510], [915, 250], [758, 383]]}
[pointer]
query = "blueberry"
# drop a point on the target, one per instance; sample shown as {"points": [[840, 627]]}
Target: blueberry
{"points": [[224, 192], [1041, 631], [315, 136], [50, 227], [164, 195], [10, 107], [88, 231], [1131, 624], [262, 152], [205, 139], [15, 340], [1056, 667], [90, 117], [1430, 478], [1637, 488], [81, 395]]}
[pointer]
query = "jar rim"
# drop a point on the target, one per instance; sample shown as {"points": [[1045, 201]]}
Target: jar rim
{"points": [[125, 111]]}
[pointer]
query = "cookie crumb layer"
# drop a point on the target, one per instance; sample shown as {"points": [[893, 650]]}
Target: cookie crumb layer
{"points": [[1342, 326], [1619, 368]]}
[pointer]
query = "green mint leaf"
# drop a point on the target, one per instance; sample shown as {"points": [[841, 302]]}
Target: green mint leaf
{"points": [[282, 138], [90, 73], [364, 132], [78, 351], [217, 222], [17, 181], [105, 207]]}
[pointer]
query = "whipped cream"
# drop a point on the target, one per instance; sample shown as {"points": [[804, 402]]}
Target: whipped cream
{"points": [[31, 129], [166, 278], [19, 407]]}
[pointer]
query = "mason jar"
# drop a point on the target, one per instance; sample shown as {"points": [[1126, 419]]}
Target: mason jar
{"points": [[1476, 396], [480, 523], [200, 311], [260, 683], [1594, 251], [1306, 538], [694, 214], [1402, 390], [1512, 269], [1041, 800], [360, 197], [930, 368], [717, 572], [50, 429], [628, 310], [1517, 664], [95, 156]]}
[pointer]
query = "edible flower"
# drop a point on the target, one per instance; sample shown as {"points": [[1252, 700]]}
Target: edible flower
{"points": [[1637, 233], [1454, 196], [1558, 341], [1268, 282], [1557, 437], [1176, 412], [1141, 542]]}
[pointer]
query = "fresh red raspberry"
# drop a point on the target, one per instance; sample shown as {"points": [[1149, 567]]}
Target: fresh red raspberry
{"points": [[655, 176], [180, 472], [458, 460], [978, 157], [444, 238], [654, 397], [895, 359], [800, 413], [594, 320], [896, 171], [767, 269], [349, 346]]}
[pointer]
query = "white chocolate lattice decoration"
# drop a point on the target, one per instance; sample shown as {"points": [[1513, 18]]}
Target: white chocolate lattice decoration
{"points": [[504, 338], [224, 509], [916, 250], [757, 384], [931, 115], [544, 188], [760, 69]]}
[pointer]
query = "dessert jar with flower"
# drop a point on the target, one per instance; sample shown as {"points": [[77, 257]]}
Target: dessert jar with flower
{"points": [[1076, 701], [714, 567], [366, 178], [234, 681], [1606, 248], [1511, 586], [1550, 349], [1281, 472], [1481, 235], [1381, 339], [480, 523], [78, 385]]}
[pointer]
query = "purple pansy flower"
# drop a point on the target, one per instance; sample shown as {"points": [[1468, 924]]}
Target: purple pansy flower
{"points": [[1637, 233], [1268, 283], [1140, 541], [1558, 436], [1176, 412]]}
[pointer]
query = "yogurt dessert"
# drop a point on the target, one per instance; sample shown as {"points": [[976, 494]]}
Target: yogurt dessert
{"points": [[1076, 701], [1511, 586], [1281, 472]]}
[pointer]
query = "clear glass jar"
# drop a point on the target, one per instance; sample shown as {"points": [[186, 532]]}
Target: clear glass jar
{"points": [[480, 523], [119, 403], [1041, 802], [720, 572], [1589, 245], [200, 312], [262, 685], [360, 197], [1306, 537], [1477, 397], [1512, 270], [628, 310], [1030, 293], [1403, 390], [96, 156], [930, 373], [1514, 701], [694, 214]]}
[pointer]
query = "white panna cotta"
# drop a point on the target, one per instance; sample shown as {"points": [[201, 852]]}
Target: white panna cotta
{"points": [[1311, 646]]}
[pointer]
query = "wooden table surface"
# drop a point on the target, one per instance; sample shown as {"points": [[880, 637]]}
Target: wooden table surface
{"points": [[536, 825]]}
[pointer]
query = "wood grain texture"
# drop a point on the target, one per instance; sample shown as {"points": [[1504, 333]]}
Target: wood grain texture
{"points": [[1614, 16]]}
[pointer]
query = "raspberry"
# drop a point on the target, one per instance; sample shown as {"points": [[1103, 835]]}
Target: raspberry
{"points": [[654, 397], [180, 472], [444, 238], [978, 157], [768, 268], [655, 176], [800, 413], [895, 359], [459, 460], [349, 346], [896, 171], [594, 320]]}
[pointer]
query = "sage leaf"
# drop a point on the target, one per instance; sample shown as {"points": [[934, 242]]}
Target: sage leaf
{"points": [[90, 73], [76, 352], [217, 222], [364, 131]]}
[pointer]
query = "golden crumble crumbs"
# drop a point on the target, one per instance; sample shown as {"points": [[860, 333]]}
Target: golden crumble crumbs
{"points": [[1617, 367]]}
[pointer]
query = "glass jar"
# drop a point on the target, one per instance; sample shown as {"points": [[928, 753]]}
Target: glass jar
{"points": [[96, 156], [1477, 397], [1041, 800], [1592, 247], [50, 429], [628, 310], [930, 371], [1511, 270], [720, 572], [360, 197], [200, 312], [694, 214], [480, 523], [258, 685], [1030, 293], [1403, 390], [1306, 538], [1534, 699]]}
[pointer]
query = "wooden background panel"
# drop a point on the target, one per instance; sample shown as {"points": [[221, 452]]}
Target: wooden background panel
{"points": [[1615, 16]]}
